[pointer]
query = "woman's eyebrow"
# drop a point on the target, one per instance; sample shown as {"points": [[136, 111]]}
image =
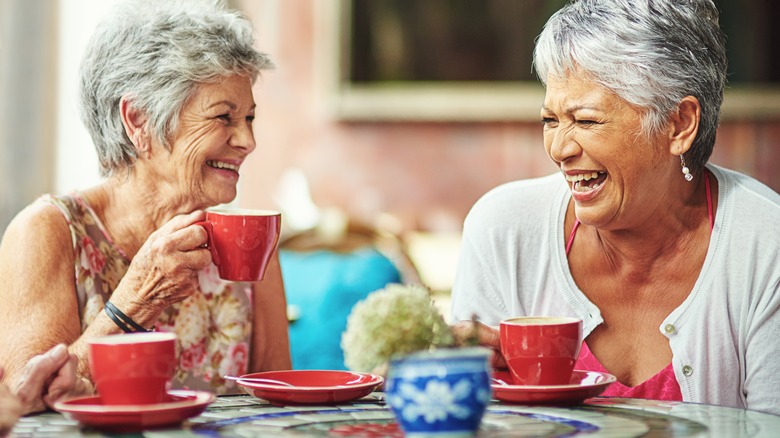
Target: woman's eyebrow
{"points": [[228, 103], [571, 109]]}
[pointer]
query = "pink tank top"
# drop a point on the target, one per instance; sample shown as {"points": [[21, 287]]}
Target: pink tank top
{"points": [[663, 385]]}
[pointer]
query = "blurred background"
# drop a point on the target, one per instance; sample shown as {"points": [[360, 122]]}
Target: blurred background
{"points": [[382, 118]]}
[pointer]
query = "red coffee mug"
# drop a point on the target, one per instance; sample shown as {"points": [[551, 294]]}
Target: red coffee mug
{"points": [[541, 350], [133, 368], [242, 241]]}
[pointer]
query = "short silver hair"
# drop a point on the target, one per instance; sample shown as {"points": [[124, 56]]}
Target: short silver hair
{"points": [[158, 53], [651, 53]]}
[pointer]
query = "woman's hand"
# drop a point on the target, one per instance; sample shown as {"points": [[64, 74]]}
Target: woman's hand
{"points": [[47, 378], [165, 269], [470, 331], [10, 408]]}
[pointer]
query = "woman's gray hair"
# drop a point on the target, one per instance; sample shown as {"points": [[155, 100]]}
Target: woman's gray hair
{"points": [[651, 53], [157, 53]]}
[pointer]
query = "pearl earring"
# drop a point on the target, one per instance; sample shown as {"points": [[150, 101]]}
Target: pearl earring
{"points": [[686, 172]]}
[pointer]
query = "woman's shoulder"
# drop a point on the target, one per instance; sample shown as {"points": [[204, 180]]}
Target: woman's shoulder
{"points": [[521, 200], [746, 195], [749, 213], [41, 218], [70, 206], [747, 185], [38, 231]]}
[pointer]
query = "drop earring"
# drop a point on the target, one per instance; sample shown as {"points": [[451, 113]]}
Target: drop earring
{"points": [[686, 172]]}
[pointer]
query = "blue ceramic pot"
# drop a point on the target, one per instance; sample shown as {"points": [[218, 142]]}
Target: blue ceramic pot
{"points": [[443, 392]]}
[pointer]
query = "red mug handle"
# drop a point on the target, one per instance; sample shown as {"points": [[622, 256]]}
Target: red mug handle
{"points": [[209, 244]]}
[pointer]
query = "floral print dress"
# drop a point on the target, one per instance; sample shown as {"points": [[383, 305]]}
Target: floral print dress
{"points": [[214, 327]]}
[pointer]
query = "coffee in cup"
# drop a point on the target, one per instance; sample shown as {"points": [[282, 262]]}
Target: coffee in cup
{"points": [[541, 350], [242, 241], [133, 368]]}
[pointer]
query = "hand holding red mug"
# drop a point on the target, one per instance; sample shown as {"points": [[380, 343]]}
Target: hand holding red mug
{"points": [[469, 332]]}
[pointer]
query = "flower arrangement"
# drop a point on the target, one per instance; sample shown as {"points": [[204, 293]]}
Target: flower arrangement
{"points": [[390, 322], [431, 388]]}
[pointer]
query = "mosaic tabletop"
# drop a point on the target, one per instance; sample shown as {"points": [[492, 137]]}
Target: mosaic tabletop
{"points": [[246, 416]]}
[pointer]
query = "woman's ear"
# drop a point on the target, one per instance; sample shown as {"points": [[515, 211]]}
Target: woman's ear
{"points": [[684, 125], [134, 122]]}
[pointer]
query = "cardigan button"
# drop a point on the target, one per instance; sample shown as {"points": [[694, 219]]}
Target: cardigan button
{"points": [[687, 370]]}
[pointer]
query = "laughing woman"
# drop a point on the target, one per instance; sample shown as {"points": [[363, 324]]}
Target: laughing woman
{"points": [[673, 264], [166, 94]]}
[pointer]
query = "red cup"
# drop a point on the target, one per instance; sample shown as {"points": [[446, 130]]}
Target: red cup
{"points": [[541, 350], [242, 241], [133, 368]]}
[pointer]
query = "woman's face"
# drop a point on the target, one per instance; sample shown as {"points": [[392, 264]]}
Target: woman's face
{"points": [[213, 138], [617, 175]]}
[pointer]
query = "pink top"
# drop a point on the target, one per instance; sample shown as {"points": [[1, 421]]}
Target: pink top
{"points": [[663, 385]]}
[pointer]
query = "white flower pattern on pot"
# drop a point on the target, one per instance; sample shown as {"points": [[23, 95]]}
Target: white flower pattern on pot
{"points": [[436, 402]]}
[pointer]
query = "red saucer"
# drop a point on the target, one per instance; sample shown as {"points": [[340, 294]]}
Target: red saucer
{"points": [[312, 386], [92, 413], [583, 385]]}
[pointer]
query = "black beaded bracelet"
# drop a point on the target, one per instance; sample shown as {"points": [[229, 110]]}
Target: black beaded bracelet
{"points": [[122, 320]]}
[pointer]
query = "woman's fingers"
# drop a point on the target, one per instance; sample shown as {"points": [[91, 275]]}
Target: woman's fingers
{"points": [[181, 242], [190, 243], [64, 381], [165, 269], [474, 332], [10, 408], [497, 361], [182, 221], [38, 374]]}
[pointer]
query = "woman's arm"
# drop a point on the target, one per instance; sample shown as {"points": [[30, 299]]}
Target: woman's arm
{"points": [[762, 370], [271, 345], [40, 308]]}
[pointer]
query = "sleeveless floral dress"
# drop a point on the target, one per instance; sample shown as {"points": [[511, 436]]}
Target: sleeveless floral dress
{"points": [[214, 327]]}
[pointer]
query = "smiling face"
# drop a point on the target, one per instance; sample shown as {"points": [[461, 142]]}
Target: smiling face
{"points": [[617, 174], [213, 138]]}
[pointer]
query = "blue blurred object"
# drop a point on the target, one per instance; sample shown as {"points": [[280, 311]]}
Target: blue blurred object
{"points": [[440, 393], [323, 286]]}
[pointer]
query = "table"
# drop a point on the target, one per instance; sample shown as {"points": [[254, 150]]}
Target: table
{"points": [[243, 415]]}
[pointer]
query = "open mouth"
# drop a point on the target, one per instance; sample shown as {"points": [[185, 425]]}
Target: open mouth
{"points": [[586, 182]]}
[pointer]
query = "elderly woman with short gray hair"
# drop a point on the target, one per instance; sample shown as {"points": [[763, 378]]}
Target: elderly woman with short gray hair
{"points": [[166, 94], [673, 264]]}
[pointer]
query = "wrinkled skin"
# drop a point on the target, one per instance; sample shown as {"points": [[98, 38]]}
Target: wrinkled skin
{"points": [[47, 378]]}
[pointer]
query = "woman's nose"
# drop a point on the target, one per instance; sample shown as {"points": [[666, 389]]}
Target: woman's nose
{"points": [[562, 145], [243, 137]]}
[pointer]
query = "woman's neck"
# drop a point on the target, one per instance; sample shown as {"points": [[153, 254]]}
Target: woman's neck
{"points": [[131, 210], [664, 231]]}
